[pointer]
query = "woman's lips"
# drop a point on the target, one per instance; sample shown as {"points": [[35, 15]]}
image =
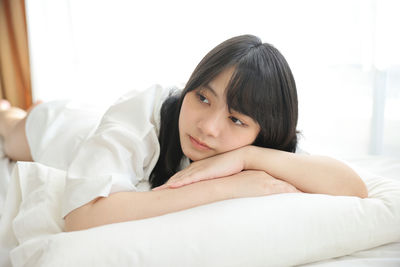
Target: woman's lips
{"points": [[197, 144]]}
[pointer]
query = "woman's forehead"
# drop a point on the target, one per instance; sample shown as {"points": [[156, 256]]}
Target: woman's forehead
{"points": [[218, 86]]}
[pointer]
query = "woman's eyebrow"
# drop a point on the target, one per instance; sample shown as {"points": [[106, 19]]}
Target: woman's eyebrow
{"points": [[208, 87]]}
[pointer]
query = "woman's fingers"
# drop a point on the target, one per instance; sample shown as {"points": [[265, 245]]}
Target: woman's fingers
{"points": [[158, 187], [177, 180], [191, 174], [217, 166], [173, 182]]}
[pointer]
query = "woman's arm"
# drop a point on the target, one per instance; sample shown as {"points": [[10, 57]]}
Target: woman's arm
{"points": [[310, 174], [127, 206]]}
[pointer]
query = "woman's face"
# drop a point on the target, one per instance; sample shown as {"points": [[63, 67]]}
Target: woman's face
{"points": [[207, 128]]}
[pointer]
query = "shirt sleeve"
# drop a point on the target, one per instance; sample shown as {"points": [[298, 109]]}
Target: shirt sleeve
{"points": [[120, 153]]}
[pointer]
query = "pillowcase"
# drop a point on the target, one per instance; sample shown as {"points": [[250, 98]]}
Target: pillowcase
{"points": [[276, 230]]}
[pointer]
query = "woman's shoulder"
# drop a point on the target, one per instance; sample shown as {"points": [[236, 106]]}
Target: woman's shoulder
{"points": [[139, 108]]}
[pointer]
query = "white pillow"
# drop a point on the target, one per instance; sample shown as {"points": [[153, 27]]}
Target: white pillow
{"points": [[277, 230]]}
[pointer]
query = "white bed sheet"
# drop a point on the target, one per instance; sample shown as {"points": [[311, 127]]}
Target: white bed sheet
{"points": [[386, 255], [382, 256]]}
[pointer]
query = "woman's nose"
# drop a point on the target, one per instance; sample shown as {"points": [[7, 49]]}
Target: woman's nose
{"points": [[211, 125]]}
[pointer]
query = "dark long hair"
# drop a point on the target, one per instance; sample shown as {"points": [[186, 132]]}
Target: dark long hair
{"points": [[262, 87]]}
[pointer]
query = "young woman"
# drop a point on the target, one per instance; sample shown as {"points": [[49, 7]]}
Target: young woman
{"points": [[230, 133]]}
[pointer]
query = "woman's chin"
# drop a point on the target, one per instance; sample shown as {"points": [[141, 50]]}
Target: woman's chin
{"points": [[194, 156], [197, 156]]}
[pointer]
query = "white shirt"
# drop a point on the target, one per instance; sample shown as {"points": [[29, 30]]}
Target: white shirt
{"points": [[121, 153]]}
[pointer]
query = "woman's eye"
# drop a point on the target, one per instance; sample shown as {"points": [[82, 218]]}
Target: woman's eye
{"points": [[202, 98], [236, 121]]}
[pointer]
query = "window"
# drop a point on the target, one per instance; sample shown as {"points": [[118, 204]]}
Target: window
{"points": [[343, 53]]}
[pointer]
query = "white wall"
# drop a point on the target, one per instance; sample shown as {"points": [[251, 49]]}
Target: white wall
{"points": [[343, 54]]}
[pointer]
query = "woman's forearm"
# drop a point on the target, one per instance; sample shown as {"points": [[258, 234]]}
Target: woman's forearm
{"points": [[311, 174], [127, 206]]}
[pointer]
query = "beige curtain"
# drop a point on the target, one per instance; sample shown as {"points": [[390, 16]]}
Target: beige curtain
{"points": [[15, 82]]}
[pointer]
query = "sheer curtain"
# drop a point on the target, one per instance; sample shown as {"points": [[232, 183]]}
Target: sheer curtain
{"points": [[343, 54]]}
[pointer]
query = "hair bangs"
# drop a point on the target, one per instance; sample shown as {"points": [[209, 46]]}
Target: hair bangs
{"points": [[244, 94]]}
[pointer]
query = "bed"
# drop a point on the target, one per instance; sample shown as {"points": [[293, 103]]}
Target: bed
{"points": [[277, 230]]}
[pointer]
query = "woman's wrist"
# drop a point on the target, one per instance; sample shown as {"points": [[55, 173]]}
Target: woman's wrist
{"points": [[247, 155], [251, 155]]}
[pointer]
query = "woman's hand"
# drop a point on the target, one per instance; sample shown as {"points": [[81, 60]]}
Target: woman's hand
{"points": [[258, 183], [217, 166]]}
